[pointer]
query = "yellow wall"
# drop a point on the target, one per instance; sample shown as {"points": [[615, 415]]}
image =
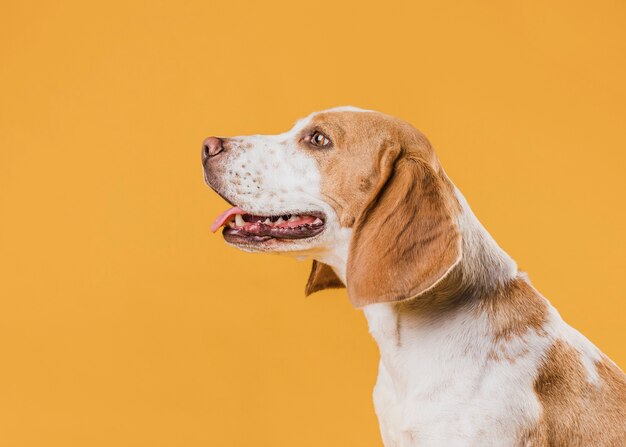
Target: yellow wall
{"points": [[124, 322]]}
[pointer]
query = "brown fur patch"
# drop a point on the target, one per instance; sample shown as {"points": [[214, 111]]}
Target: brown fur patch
{"points": [[577, 413], [513, 309]]}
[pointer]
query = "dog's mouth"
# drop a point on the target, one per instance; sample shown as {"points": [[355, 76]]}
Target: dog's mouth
{"points": [[242, 226]]}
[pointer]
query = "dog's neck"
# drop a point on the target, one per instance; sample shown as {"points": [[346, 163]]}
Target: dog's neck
{"points": [[483, 269], [484, 265]]}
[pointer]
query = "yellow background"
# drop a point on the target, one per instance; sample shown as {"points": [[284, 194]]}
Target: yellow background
{"points": [[124, 322]]}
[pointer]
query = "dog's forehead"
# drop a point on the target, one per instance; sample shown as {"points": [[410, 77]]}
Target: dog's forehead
{"points": [[335, 112]]}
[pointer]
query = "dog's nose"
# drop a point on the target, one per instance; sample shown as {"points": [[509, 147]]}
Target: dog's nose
{"points": [[211, 147]]}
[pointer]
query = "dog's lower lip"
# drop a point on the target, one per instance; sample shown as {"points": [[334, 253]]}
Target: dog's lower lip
{"points": [[232, 237]]}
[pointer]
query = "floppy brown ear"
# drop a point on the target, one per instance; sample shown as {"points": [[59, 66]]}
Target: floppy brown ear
{"points": [[322, 277], [406, 239]]}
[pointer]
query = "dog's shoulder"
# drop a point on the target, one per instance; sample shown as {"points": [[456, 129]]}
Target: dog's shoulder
{"points": [[582, 393]]}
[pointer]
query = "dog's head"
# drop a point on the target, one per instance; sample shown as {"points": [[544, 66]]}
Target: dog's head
{"points": [[342, 179]]}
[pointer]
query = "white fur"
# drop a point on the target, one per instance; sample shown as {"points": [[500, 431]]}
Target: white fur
{"points": [[438, 383]]}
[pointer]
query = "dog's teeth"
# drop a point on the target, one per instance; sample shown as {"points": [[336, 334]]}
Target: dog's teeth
{"points": [[280, 220], [317, 221], [267, 221], [239, 220], [293, 218]]}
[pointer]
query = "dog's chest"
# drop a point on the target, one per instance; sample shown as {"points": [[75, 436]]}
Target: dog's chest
{"points": [[438, 384]]}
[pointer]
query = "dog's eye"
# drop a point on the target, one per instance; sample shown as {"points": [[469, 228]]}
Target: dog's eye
{"points": [[319, 139]]}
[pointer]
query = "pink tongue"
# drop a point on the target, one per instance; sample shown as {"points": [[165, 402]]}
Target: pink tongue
{"points": [[224, 217]]}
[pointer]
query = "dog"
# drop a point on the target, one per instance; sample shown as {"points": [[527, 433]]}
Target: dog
{"points": [[471, 354]]}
